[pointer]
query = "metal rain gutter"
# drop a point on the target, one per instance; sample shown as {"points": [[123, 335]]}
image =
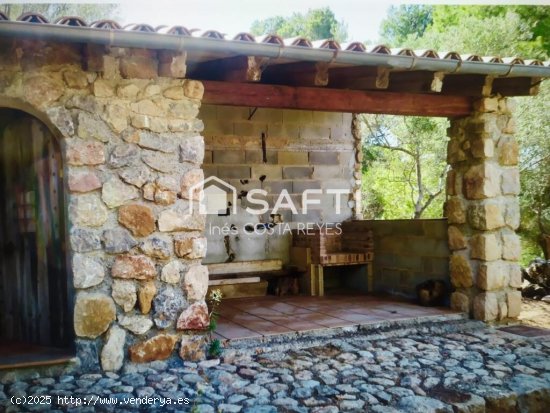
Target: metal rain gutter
{"points": [[148, 40]]}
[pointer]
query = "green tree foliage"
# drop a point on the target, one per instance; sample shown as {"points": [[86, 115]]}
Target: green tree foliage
{"points": [[405, 169], [534, 19], [533, 133], [53, 11], [520, 30], [316, 24], [404, 21], [506, 35]]}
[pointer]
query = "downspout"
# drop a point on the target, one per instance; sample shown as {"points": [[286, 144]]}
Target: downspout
{"points": [[121, 38]]}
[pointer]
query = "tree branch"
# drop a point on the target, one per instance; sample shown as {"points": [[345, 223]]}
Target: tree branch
{"points": [[395, 148], [531, 164]]}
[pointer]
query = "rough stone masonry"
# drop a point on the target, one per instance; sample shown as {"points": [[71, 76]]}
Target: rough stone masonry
{"points": [[483, 212], [130, 139]]}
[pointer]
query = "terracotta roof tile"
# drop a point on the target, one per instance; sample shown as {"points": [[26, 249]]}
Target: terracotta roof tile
{"points": [[326, 44], [402, 52], [106, 24], [31, 17], [72, 21], [298, 41], [354, 47], [381, 49], [271, 38], [140, 27], [174, 30], [451, 55], [244, 37]]}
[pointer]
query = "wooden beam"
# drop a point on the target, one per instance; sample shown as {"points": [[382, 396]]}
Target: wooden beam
{"points": [[516, 86], [297, 74], [334, 100], [359, 77], [231, 69], [417, 81]]}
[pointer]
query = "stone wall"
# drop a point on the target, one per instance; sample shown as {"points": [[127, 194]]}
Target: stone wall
{"points": [[130, 140], [304, 150], [407, 253], [483, 212]]}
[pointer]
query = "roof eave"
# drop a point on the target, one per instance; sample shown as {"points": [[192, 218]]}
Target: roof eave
{"points": [[148, 40]]}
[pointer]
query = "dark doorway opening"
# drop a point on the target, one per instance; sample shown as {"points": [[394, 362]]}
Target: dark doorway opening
{"points": [[35, 293]]}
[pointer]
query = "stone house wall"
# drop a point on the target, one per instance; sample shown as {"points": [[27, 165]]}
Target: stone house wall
{"points": [[128, 125], [304, 150]]}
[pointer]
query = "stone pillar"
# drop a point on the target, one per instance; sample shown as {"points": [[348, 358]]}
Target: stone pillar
{"points": [[482, 208]]}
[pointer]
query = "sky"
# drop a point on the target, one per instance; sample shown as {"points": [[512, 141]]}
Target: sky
{"points": [[363, 17]]}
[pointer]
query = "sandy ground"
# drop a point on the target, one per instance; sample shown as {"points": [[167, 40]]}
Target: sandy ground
{"points": [[535, 313]]}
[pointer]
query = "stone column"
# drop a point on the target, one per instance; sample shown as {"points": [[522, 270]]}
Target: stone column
{"points": [[482, 208]]}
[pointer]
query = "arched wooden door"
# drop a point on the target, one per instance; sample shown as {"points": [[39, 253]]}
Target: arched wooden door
{"points": [[34, 288]]}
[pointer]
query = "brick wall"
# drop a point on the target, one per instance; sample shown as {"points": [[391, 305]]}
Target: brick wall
{"points": [[304, 150], [408, 252]]}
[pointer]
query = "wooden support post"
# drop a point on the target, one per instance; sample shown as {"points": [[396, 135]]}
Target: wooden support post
{"points": [[320, 281], [312, 280]]}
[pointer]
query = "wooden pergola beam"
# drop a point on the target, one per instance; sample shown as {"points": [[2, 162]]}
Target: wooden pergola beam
{"points": [[334, 100]]}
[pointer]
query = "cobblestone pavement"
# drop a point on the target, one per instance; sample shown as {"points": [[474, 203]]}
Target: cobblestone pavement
{"points": [[461, 368]]}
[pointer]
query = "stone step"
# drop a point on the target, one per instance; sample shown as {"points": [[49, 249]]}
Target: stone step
{"points": [[385, 329]]}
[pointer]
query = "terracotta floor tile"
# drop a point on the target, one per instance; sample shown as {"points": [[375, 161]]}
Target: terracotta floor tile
{"points": [[230, 330], [328, 321], [258, 316], [240, 317], [296, 323], [262, 311], [286, 308], [265, 327], [367, 311], [356, 317]]}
